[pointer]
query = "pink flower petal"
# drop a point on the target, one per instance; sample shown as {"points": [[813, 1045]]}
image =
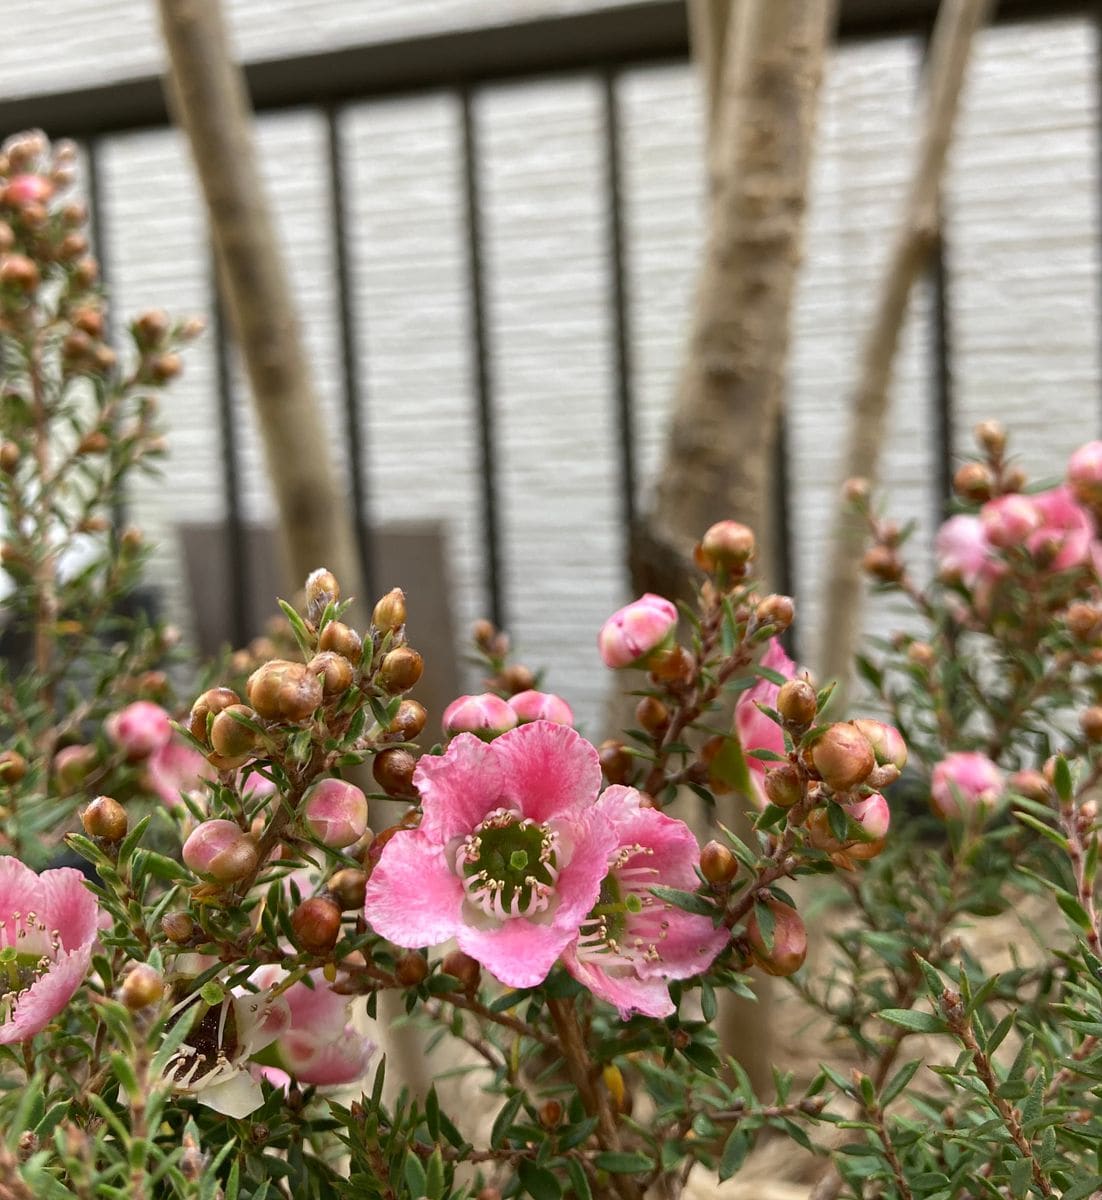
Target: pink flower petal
{"points": [[579, 882], [458, 788], [519, 953], [317, 1008], [68, 907], [413, 898], [548, 770], [325, 1061], [46, 997], [628, 993], [19, 893]]}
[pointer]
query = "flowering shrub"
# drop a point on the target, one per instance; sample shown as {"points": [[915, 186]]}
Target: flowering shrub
{"points": [[187, 1016]]}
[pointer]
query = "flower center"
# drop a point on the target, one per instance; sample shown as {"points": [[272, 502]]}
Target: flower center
{"points": [[509, 865], [26, 950], [628, 924]]}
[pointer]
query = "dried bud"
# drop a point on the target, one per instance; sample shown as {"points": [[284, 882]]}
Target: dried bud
{"points": [[347, 888], [389, 614], [178, 927], [342, 640], [775, 610], [334, 671], [284, 691], [727, 545], [86, 272], [784, 785], [409, 720], [401, 668], [1090, 722], [72, 246], [322, 589], [464, 968], [219, 850], [842, 757], [921, 654], [95, 441], [616, 763], [105, 818], [717, 864], [974, 482], [393, 770], [411, 969], [28, 1144], [551, 1114], [797, 703], [214, 700], [13, 768], [142, 987], [784, 953], [335, 812], [652, 714], [317, 925], [882, 563], [485, 715], [9, 457]]}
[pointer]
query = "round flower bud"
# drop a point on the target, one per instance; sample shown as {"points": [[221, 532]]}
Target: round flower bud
{"points": [[842, 757], [18, 272], [856, 490], [973, 481], [1083, 621], [541, 706], [389, 613], [516, 677], [634, 632], [717, 864], [219, 850], [783, 785], [317, 925], [72, 765], [142, 987], [105, 818], [728, 545], [214, 700], [550, 1113], [921, 654], [990, 437], [281, 690], [334, 671], [13, 768], [672, 664], [870, 818], [486, 716], [797, 702], [322, 589], [139, 729], [343, 640], [411, 969], [788, 950], [409, 720], [229, 737], [778, 611], [28, 188], [178, 927], [652, 714], [346, 886], [335, 812], [1032, 785], [882, 563], [1090, 722], [165, 367], [393, 770], [464, 968], [964, 784], [616, 763], [1009, 520], [1085, 473], [483, 633], [886, 741], [9, 457], [401, 668]]}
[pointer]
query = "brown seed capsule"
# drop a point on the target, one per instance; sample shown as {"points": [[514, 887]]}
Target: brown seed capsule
{"points": [[616, 763], [411, 969], [393, 770], [29, 1144], [151, 328], [142, 987], [783, 785], [1090, 722], [228, 737], [551, 1114], [717, 864], [990, 437], [409, 720], [214, 700], [347, 887], [842, 757], [322, 589], [284, 691], [105, 818], [389, 614], [464, 968], [13, 768], [178, 927], [778, 611], [652, 714], [334, 671], [973, 481], [797, 702], [882, 563], [317, 924], [9, 457], [343, 640], [517, 678], [18, 272], [401, 668]]}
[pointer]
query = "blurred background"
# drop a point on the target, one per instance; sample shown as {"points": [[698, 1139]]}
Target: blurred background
{"points": [[493, 212]]}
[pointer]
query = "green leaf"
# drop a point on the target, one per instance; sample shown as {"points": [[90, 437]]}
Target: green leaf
{"points": [[735, 1150], [578, 1180], [687, 901], [729, 766], [622, 1162], [763, 914], [899, 1081], [1061, 778], [298, 628], [538, 1182], [504, 1120], [912, 1021], [414, 1174]]}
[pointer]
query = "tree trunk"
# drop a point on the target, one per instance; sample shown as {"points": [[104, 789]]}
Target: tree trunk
{"points": [[954, 32], [211, 102]]}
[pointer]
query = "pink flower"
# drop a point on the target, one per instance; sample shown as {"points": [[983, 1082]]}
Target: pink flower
{"points": [[486, 715], [1085, 473], [1063, 539], [541, 706], [139, 729], [176, 769], [964, 783], [48, 924], [963, 550], [632, 943], [1008, 520], [335, 812], [755, 730], [509, 856], [318, 1046], [633, 632]]}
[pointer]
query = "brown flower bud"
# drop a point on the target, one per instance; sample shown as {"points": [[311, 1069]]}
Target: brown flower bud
{"points": [[784, 785], [517, 678], [389, 614], [343, 640], [29, 1145], [990, 437], [797, 702], [9, 457], [105, 818], [483, 634], [921, 654], [974, 481], [71, 247], [616, 763], [464, 968], [1013, 479], [151, 328], [1090, 722], [178, 927], [95, 441], [842, 757], [717, 864], [7, 237], [856, 490], [317, 924], [411, 969], [401, 668], [284, 691], [89, 320], [882, 563], [86, 272], [673, 664], [1032, 785], [1082, 619], [165, 367], [778, 611], [142, 987], [13, 768], [334, 671], [788, 949], [322, 589], [18, 272], [393, 770], [728, 545], [214, 700], [551, 1113], [228, 737], [347, 886], [409, 720], [652, 714]]}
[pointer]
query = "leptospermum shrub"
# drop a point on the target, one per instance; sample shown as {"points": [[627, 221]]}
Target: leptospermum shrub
{"points": [[185, 1015]]}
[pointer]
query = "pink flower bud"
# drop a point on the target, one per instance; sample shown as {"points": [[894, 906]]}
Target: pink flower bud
{"points": [[541, 706], [1009, 520], [1085, 473], [870, 816], [28, 189], [219, 849], [486, 715], [139, 729], [886, 741], [632, 633], [963, 784], [1063, 538], [335, 812]]}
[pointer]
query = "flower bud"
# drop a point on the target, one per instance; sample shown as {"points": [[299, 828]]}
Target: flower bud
{"points": [[616, 763], [335, 812], [165, 367], [9, 457], [411, 969], [717, 864], [870, 818], [346, 886], [886, 741], [27, 188], [1032, 785], [842, 757], [389, 614], [882, 563], [990, 437], [1085, 473], [652, 714], [727, 545], [856, 491], [486, 716], [13, 768], [921, 654], [1083, 621], [178, 927], [1090, 722], [401, 668], [214, 700], [1013, 479], [797, 702], [789, 942], [86, 272], [783, 785], [72, 765], [219, 850], [1009, 520], [316, 924], [393, 770], [778, 611], [231, 739], [464, 968], [322, 589], [965, 784], [672, 664], [483, 634], [634, 632], [409, 720], [343, 640], [142, 988], [105, 818], [18, 272], [541, 706], [334, 671], [550, 1113], [973, 481], [281, 690]]}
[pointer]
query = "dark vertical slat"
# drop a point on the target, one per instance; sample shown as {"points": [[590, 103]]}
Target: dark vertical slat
{"points": [[237, 567], [621, 330], [784, 568], [354, 422], [482, 382]]}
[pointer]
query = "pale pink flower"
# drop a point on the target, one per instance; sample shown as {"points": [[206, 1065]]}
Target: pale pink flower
{"points": [[965, 783], [541, 706], [1063, 539], [48, 925], [1085, 473], [177, 769], [509, 856], [485, 715], [963, 550], [632, 943], [634, 632], [1008, 520], [139, 729], [755, 730]]}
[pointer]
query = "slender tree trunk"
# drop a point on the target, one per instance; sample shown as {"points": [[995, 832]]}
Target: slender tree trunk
{"points": [[954, 33], [211, 103]]}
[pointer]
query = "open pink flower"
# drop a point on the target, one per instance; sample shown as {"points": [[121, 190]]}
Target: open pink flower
{"points": [[1063, 539], [509, 856], [963, 550], [633, 943], [755, 730], [47, 927]]}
